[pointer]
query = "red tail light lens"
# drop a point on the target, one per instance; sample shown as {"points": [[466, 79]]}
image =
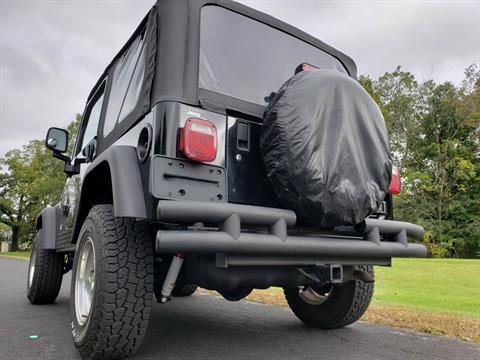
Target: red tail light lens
{"points": [[198, 140], [395, 185]]}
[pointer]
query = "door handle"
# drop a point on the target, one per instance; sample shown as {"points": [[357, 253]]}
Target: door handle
{"points": [[243, 136]]}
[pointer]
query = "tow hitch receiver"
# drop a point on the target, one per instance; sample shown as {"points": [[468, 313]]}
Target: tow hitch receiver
{"points": [[336, 274], [332, 274]]}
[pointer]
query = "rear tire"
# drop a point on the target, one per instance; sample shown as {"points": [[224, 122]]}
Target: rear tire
{"points": [[336, 307], [112, 285], [184, 290], [45, 273]]}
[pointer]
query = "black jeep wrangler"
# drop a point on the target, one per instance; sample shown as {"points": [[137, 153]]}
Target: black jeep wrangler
{"points": [[194, 166]]}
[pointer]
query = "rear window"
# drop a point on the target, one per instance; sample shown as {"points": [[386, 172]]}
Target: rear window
{"points": [[246, 59]]}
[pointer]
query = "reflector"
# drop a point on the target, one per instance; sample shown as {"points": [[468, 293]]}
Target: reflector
{"points": [[395, 184], [198, 140]]}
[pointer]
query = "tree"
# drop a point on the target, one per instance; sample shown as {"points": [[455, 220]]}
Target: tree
{"points": [[30, 179], [447, 152], [73, 132], [434, 133], [31, 183]]}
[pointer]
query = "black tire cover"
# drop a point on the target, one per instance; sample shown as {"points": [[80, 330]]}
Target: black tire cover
{"points": [[325, 148]]}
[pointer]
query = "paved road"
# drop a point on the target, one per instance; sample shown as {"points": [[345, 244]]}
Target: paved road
{"points": [[205, 327]]}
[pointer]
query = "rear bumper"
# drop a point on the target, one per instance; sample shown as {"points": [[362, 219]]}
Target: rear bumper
{"points": [[247, 234]]}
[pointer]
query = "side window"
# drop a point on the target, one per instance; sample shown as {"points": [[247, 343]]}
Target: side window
{"points": [[133, 92], [127, 80], [89, 129], [92, 125]]}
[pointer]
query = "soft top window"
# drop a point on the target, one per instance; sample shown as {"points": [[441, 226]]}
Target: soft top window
{"points": [[127, 82], [246, 59], [91, 119]]}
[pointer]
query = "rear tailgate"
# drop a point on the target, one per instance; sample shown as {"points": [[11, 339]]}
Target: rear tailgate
{"points": [[247, 178]]}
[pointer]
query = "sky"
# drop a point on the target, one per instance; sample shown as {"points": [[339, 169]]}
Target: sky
{"points": [[52, 51]]}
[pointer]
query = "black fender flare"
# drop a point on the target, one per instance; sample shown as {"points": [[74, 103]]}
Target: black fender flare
{"points": [[127, 189], [48, 222]]}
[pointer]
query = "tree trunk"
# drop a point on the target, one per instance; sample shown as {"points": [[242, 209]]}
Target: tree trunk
{"points": [[15, 235]]}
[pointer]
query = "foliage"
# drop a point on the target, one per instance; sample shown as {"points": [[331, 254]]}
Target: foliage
{"points": [[434, 250], [73, 131], [5, 232], [30, 180], [434, 131]]}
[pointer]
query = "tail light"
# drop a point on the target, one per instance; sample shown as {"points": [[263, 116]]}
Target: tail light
{"points": [[395, 185], [198, 140]]}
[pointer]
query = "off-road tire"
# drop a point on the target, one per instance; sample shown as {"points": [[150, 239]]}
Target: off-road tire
{"points": [[122, 295], [48, 274], [184, 290], [345, 304]]}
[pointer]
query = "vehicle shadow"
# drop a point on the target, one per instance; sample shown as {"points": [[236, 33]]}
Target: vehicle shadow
{"points": [[205, 327]]}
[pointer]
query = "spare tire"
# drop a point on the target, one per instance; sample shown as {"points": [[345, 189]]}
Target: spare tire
{"points": [[325, 148]]}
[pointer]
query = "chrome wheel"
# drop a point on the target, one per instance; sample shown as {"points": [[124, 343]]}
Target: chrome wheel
{"points": [[315, 296], [31, 269], [85, 281]]}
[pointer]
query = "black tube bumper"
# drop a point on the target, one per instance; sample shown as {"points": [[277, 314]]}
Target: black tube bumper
{"points": [[378, 239]]}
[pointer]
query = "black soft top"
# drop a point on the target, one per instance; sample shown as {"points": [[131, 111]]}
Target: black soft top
{"points": [[171, 34]]}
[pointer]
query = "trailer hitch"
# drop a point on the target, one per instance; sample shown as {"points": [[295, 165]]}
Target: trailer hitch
{"points": [[332, 273]]}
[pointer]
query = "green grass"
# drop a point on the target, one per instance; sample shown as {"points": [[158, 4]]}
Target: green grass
{"points": [[23, 254], [446, 285]]}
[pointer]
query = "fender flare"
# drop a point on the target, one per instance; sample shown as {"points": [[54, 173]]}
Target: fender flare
{"points": [[47, 221], [127, 188]]}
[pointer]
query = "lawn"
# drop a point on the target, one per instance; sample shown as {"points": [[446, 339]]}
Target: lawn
{"points": [[446, 285], [23, 254]]}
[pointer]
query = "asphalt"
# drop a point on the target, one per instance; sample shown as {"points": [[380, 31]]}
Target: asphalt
{"points": [[206, 327]]}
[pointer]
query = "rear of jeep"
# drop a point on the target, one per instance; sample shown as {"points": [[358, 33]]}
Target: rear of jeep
{"points": [[176, 193]]}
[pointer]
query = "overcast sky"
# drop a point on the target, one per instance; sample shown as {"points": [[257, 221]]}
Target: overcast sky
{"points": [[52, 52]]}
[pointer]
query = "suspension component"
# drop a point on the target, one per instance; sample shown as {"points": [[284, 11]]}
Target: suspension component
{"points": [[171, 278]]}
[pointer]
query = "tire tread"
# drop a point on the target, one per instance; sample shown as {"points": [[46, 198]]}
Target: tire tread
{"points": [[124, 296], [349, 303], [47, 278]]}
